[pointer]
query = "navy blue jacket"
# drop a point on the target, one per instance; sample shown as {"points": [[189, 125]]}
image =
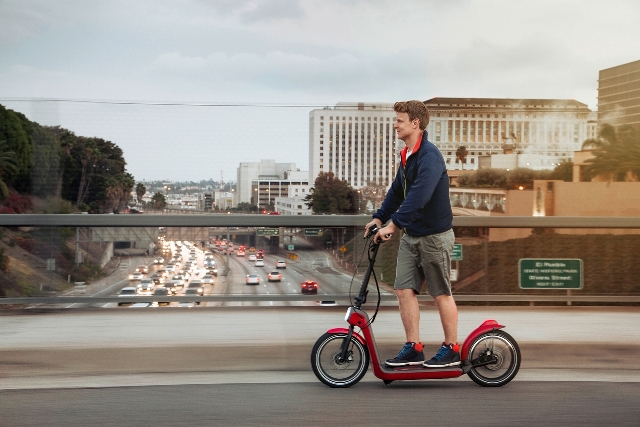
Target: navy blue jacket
{"points": [[418, 200]]}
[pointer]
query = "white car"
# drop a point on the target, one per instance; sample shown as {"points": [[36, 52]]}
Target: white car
{"points": [[178, 280], [253, 279], [259, 263], [170, 268], [252, 257], [158, 261], [281, 264], [127, 292], [145, 287], [136, 276], [274, 276]]}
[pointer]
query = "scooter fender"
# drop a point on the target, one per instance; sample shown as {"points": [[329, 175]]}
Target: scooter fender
{"points": [[346, 331], [487, 325]]}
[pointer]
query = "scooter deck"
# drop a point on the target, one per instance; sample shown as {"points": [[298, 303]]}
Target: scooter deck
{"points": [[416, 372]]}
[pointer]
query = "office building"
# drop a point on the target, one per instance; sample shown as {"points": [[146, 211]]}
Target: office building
{"points": [[619, 95], [294, 204], [507, 133], [267, 169], [355, 141]]}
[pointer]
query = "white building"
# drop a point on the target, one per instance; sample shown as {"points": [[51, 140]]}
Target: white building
{"points": [[533, 133], [355, 141], [294, 204], [265, 170]]}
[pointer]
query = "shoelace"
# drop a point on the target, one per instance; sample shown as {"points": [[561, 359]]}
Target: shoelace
{"points": [[404, 350], [442, 352]]}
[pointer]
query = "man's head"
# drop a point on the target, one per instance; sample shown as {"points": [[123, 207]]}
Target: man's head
{"points": [[412, 117]]}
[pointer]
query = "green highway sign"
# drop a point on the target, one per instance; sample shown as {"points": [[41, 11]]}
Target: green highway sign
{"points": [[268, 231], [290, 247], [456, 254], [548, 273], [313, 232]]}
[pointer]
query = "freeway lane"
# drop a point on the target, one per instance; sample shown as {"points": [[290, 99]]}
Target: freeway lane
{"points": [[455, 402]]}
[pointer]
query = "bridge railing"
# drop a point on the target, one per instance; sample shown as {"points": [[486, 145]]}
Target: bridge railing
{"points": [[498, 259]]}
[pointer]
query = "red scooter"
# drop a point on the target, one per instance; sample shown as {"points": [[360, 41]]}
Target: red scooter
{"points": [[341, 356]]}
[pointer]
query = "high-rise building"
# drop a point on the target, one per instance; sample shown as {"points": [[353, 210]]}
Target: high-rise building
{"points": [[619, 95], [536, 133], [355, 141]]}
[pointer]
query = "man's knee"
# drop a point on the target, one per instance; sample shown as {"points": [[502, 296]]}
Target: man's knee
{"points": [[405, 294]]}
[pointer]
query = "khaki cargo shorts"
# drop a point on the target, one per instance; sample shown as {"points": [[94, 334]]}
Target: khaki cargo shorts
{"points": [[425, 259]]}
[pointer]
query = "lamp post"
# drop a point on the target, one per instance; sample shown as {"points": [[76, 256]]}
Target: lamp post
{"points": [[359, 202]]}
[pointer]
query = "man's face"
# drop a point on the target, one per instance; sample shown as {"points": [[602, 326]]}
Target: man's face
{"points": [[404, 127]]}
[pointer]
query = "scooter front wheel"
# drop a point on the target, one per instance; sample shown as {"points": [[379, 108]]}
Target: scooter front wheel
{"points": [[329, 366], [495, 357]]}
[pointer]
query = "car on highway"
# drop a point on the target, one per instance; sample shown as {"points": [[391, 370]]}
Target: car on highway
{"points": [[195, 283], [252, 257], [142, 269], [253, 279], [170, 268], [326, 303], [159, 260], [240, 253], [212, 270], [178, 280], [274, 276], [208, 279], [145, 287], [309, 287], [194, 292], [158, 279], [139, 305], [127, 292], [252, 249], [161, 292], [259, 263], [136, 276], [281, 264]]}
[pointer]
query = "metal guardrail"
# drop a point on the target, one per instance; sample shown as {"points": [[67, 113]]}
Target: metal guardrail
{"points": [[231, 221], [223, 220]]}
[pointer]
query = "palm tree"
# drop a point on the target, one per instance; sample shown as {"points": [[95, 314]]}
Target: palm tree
{"points": [[159, 201], [140, 192], [616, 154], [461, 155], [7, 164]]}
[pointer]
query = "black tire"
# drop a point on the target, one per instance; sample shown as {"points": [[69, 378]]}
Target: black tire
{"points": [[332, 372], [500, 348]]}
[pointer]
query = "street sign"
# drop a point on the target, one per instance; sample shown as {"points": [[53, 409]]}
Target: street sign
{"points": [[268, 231], [456, 254], [549, 273], [290, 247], [343, 249], [313, 232], [51, 264], [454, 275]]}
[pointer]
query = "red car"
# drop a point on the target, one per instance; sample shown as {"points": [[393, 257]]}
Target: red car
{"points": [[309, 287]]}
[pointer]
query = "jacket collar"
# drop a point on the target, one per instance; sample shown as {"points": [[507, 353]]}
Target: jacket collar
{"points": [[403, 153]]}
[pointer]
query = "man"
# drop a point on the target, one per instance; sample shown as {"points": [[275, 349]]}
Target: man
{"points": [[418, 204]]}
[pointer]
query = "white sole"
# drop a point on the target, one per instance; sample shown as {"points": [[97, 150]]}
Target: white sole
{"points": [[403, 364], [441, 366]]}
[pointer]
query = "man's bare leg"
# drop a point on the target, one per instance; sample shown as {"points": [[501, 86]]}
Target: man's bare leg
{"points": [[448, 317], [409, 313]]}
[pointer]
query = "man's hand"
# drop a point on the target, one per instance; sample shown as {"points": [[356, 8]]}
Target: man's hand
{"points": [[375, 222], [386, 232]]}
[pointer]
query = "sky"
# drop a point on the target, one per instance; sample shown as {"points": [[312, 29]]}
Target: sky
{"points": [[190, 88]]}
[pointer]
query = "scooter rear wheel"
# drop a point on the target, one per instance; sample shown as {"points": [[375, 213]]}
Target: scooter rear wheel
{"points": [[328, 366], [499, 355]]}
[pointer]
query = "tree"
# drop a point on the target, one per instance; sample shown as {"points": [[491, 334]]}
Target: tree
{"points": [[7, 167], [461, 155], [330, 195], [159, 201], [140, 192], [616, 154], [374, 193], [563, 171]]}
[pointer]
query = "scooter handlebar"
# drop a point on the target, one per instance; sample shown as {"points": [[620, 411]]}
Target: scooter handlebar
{"points": [[372, 231]]}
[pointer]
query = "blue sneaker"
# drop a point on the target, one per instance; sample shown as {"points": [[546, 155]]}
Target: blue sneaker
{"points": [[447, 355], [411, 354]]}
